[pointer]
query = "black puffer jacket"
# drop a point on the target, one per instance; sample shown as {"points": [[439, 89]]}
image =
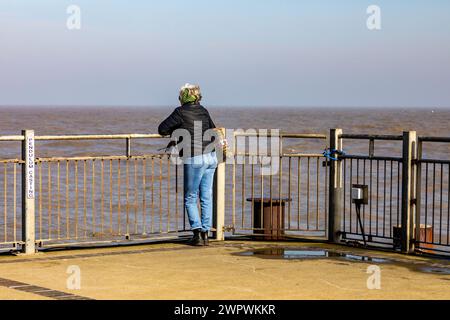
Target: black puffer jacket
{"points": [[183, 117]]}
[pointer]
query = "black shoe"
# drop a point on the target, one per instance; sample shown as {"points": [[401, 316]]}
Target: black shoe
{"points": [[205, 238], [196, 241]]}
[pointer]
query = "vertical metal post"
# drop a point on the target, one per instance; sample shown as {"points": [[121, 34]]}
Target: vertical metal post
{"points": [[418, 191], [408, 190], [128, 147], [371, 147], [219, 197], [335, 189], [28, 193]]}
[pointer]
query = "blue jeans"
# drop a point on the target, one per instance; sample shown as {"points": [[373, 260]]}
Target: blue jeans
{"points": [[198, 181]]}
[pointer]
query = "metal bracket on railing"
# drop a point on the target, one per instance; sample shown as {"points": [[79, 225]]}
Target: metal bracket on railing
{"points": [[333, 154]]}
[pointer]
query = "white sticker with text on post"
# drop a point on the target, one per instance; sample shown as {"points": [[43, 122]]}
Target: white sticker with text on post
{"points": [[30, 166]]}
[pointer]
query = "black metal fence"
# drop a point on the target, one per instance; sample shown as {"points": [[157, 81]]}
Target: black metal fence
{"points": [[408, 194], [383, 176], [433, 196], [383, 212]]}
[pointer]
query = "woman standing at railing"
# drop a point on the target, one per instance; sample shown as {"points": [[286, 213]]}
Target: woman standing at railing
{"points": [[199, 160]]}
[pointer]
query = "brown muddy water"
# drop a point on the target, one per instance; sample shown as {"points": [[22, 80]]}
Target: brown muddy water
{"points": [[111, 120]]}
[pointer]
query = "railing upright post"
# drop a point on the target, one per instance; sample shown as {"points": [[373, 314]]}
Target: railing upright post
{"points": [[28, 193], [128, 147], [418, 193], [219, 197], [335, 189], [409, 175]]}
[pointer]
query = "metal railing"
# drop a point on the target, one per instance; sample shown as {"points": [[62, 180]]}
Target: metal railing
{"points": [[296, 181], [382, 175], [10, 206], [65, 200], [85, 199], [97, 197], [408, 203], [11, 220], [433, 198]]}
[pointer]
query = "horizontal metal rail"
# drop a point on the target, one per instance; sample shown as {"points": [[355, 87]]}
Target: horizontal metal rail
{"points": [[381, 158], [303, 155], [11, 161], [85, 137], [433, 161], [434, 139], [11, 138], [55, 159], [283, 135], [100, 136], [370, 137], [150, 136]]}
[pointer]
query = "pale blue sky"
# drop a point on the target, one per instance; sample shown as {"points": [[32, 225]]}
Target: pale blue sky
{"points": [[241, 52]]}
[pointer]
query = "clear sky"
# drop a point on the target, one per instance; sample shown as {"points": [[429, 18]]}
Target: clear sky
{"points": [[241, 52]]}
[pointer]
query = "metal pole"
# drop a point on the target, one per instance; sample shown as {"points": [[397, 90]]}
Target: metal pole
{"points": [[128, 147], [219, 197], [408, 190], [28, 193], [335, 189], [418, 192]]}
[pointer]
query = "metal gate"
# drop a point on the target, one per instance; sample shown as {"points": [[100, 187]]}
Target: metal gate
{"points": [[433, 195], [382, 174], [289, 185], [408, 191]]}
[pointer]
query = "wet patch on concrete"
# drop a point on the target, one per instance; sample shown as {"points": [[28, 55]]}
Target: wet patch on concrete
{"points": [[306, 253], [434, 269], [303, 253]]}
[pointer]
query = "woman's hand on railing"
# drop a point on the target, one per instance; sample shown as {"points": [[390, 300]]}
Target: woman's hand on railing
{"points": [[224, 145]]}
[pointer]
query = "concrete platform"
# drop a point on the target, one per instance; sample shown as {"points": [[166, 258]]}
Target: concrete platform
{"points": [[177, 271]]}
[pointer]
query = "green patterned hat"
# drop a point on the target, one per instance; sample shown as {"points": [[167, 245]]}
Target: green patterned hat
{"points": [[189, 93]]}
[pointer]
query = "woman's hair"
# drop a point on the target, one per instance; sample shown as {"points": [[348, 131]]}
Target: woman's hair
{"points": [[190, 93]]}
